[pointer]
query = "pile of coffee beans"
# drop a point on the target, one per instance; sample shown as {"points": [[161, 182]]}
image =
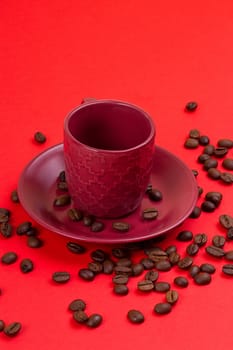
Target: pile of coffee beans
{"points": [[78, 309]]}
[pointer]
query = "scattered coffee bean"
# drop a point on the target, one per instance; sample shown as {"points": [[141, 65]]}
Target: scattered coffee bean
{"points": [[94, 320], [150, 213], [2, 325], [86, 274], [209, 149], [108, 266], [204, 140], [200, 239], [230, 233], [6, 229], [171, 249], [191, 143], [226, 221], [12, 329], [163, 265], [214, 173], [202, 278], [120, 253], [88, 220], [9, 258], [185, 262], [26, 265], [184, 236], [75, 248], [191, 106], [200, 190], [194, 134], [97, 226], [156, 254], [23, 228], [181, 281], [195, 172], [194, 270], [62, 200], [99, 255], [77, 305], [215, 251], [33, 231], [195, 213], [214, 197], [202, 158], [228, 163], [62, 176], [229, 255], [80, 316], [162, 308], [39, 137], [227, 178], [145, 285], [149, 188], [14, 196], [174, 258], [220, 152], [218, 241], [192, 249], [34, 242], [135, 316], [95, 266], [121, 226], [147, 263], [155, 195], [227, 269], [208, 206], [172, 296], [120, 279], [225, 143], [206, 267], [210, 163], [152, 275], [121, 289], [61, 276], [162, 287], [75, 214]]}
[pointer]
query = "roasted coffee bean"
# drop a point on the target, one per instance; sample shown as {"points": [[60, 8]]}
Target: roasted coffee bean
{"points": [[215, 251], [61, 277], [172, 296], [12, 329], [192, 249], [171, 249], [228, 163], [149, 188], [181, 281], [202, 278], [155, 195], [214, 173], [39, 137], [214, 197], [33, 231], [121, 226], [218, 241], [6, 229], [75, 248], [228, 143], [185, 262], [62, 176], [200, 239], [204, 140], [95, 266], [145, 285], [14, 196], [86, 274], [34, 242], [194, 134], [194, 270], [226, 221], [108, 266], [62, 186], [209, 149], [202, 158], [229, 255], [163, 265], [75, 214], [137, 269], [97, 226], [152, 275], [120, 252], [2, 325], [121, 289], [123, 270], [174, 258], [208, 206], [195, 172], [162, 287], [184, 236], [9, 258], [195, 213], [147, 263], [135, 316], [94, 320], [200, 190], [220, 152], [191, 106], [88, 220], [62, 200], [124, 262], [4, 215], [191, 143], [156, 254], [150, 213], [99, 255], [227, 178], [210, 163], [206, 267], [26, 265], [80, 316], [162, 308], [227, 269], [23, 228], [77, 305]]}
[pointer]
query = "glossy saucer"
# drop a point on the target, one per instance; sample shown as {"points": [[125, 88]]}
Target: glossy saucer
{"points": [[37, 191]]}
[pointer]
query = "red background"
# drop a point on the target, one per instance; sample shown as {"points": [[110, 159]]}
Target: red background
{"points": [[159, 55]]}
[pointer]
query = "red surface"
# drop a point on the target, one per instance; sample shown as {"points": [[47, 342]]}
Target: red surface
{"points": [[158, 55]]}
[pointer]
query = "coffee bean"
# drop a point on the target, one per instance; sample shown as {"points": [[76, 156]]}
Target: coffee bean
{"points": [[75, 248], [184, 236], [163, 265], [202, 158], [2, 325], [220, 152], [145, 285], [120, 253], [226, 221], [156, 254], [194, 270], [191, 143], [39, 137], [174, 258], [80, 316], [162, 308], [95, 266], [191, 106], [218, 241], [108, 266], [124, 262], [206, 267], [88, 220], [162, 287], [185, 262], [210, 163], [12, 329], [208, 206], [23, 228], [6, 229], [4, 215], [137, 269], [172, 296], [9, 258], [225, 143], [75, 214], [228, 163], [192, 249], [61, 276], [26, 265], [181, 281], [150, 214], [123, 270], [204, 140], [152, 275], [14, 196], [209, 149], [155, 195], [202, 278], [147, 263], [171, 249], [77, 305], [214, 197], [215, 251], [97, 226], [135, 316], [62, 176], [62, 186], [86, 274], [121, 289], [62, 200], [195, 213], [200, 239], [213, 173], [121, 226], [33, 231], [200, 190], [99, 255], [34, 242], [229, 255], [94, 320], [194, 134], [195, 172], [230, 233], [227, 269], [227, 178]]}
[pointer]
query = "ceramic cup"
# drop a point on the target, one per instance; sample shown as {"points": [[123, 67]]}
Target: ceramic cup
{"points": [[108, 153]]}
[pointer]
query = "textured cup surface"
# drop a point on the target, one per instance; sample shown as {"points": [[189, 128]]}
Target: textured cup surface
{"points": [[108, 152]]}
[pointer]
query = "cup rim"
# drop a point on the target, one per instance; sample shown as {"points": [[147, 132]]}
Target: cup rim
{"points": [[118, 102]]}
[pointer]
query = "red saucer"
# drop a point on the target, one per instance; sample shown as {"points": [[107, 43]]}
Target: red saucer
{"points": [[37, 191]]}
